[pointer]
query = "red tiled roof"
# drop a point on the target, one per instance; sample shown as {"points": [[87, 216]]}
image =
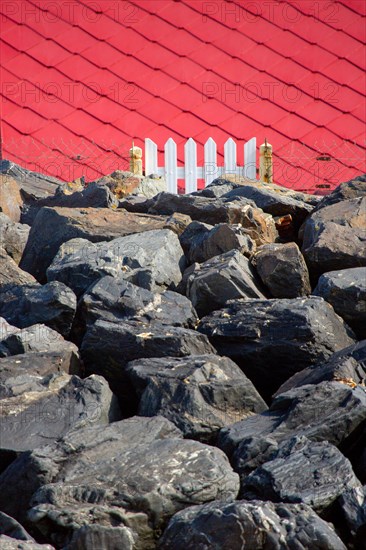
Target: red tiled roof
{"points": [[81, 80]]}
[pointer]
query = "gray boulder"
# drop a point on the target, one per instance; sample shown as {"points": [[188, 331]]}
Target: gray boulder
{"points": [[264, 336], [36, 338], [13, 237], [11, 273], [254, 525], [351, 189], [8, 543], [334, 237], [345, 290], [352, 509], [11, 201], [226, 277], [282, 269], [53, 304], [152, 260], [199, 394], [33, 185]]}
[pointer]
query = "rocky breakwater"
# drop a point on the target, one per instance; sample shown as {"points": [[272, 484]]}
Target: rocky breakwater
{"points": [[181, 371]]}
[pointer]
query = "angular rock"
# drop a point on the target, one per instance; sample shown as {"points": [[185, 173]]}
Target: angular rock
{"points": [[108, 347], [334, 237], [351, 189], [314, 473], [115, 477], [8, 543], [37, 338], [11, 273], [123, 184], [32, 185], [347, 365], [11, 528], [114, 299], [178, 223], [53, 304], [329, 411], [270, 340], [10, 199], [226, 277], [39, 410], [199, 394], [207, 243], [6, 329], [54, 226], [92, 537], [153, 260], [13, 237], [352, 505], [282, 269], [345, 290], [254, 525]]}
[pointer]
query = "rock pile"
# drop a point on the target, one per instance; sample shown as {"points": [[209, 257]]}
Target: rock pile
{"points": [[181, 371]]}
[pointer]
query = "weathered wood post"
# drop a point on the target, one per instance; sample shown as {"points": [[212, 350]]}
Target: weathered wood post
{"points": [[136, 160], [266, 162]]}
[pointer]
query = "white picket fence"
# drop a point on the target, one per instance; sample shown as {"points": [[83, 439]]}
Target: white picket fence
{"points": [[190, 172]]}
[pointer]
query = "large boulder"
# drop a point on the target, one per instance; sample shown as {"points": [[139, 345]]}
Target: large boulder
{"points": [[351, 189], [282, 269], [226, 277], [12, 528], [152, 260], [347, 365], [108, 347], [36, 338], [123, 184], [54, 226], [345, 290], [315, 473], [9, 543], [10, 199], [334, 237], [11, 273], [272, 339], [200, 242], [255, 525], [13, 237], [135, 476], [53, 304], [199, 394], [37, 410], [33, 186], [352, 509], [114, 299]]}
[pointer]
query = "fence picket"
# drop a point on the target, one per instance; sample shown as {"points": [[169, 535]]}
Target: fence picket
{"points": [[230, 156], [170, 151], [190, 162], [250, 162], [151, 157], [210, 155]]}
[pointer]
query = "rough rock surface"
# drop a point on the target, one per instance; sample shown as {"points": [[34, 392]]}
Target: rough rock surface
{"points": [[11, 528], [35, 338], [53, 304], [282, 269], [199, 393], [254, 525], [8, 543], [226, 277], [32, 185], [334, 237], [108, 347], [11, 273], [114, 299], [345, 290], [314, 473], [348, 364], [13, 237], [204, 243], [352, 504], [264, 336], [123, 183], [348, 190], [152, 260], [139, 482], [54, 226], [10, 199], [37, 410]]}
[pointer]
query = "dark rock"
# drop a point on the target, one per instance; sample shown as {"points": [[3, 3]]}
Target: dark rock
{"points": [[131, 473], [314, 473], [226, 277], [199, 394], [152, 260], [33, 185], [39, 410], [136, 204], [334, 237], [282, 269], [8, 543], [348, 190], [10, 199], [207, 243], [11, 528], [54, 226], [352, 505], [11, 273], [264, 336], [13, 237], [329, 411], [108, 347], [53, 304], [114, 299], [101, 537], [37, 338], [347, 365], [255, 525], [345, 290], [178, 223], [123, 183]]}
